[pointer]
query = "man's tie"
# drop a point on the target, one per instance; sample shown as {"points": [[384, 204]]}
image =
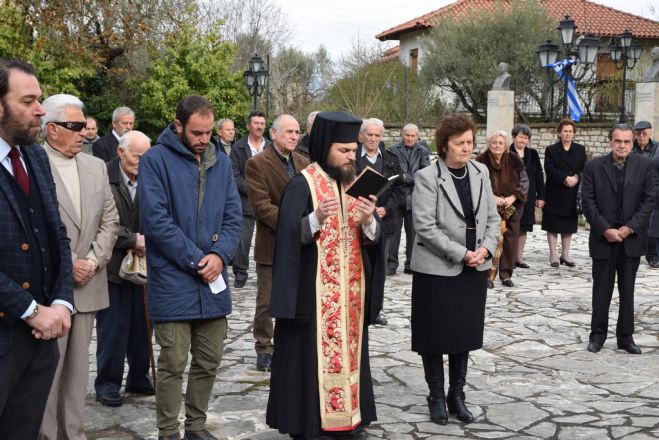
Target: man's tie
{"points": [[19, 172]]}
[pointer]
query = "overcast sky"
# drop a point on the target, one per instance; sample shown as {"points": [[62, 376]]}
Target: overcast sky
{"points": [[338, 23]]}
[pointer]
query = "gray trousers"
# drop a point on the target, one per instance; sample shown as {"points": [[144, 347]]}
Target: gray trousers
{"points": [[240, 261]]}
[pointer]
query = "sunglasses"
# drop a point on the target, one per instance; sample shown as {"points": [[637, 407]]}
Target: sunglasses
{"points": [[72, 125]]}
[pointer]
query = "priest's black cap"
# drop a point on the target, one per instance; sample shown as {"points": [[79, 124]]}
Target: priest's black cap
{"points": [[330, 127]]}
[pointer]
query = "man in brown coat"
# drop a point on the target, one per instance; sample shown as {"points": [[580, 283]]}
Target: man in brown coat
{"points": [[266, 176]]}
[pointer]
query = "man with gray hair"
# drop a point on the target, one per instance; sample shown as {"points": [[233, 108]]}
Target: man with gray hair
{"points": [[121, 329], [412, 157], [266, 176], [89, 214], [303, 145], [105, 148], [226, 134]]}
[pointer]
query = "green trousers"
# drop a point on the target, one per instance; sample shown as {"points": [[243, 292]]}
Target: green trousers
{"points": [[204, 339]]}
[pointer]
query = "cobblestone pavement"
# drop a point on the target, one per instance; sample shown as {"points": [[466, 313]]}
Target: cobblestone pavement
{"points": [[533, 379]]}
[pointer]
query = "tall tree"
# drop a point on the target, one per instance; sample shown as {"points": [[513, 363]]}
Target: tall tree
{"points": [[462, 54]]}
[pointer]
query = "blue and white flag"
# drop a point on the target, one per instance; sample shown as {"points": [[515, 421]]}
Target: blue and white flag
{"points": [[572, 98]]}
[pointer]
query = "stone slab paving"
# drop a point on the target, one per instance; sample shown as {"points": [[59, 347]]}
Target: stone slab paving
{"points": [[533, 379]]}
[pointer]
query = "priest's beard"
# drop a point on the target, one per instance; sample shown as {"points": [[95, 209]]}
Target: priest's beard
{"points": [[343, 174]]}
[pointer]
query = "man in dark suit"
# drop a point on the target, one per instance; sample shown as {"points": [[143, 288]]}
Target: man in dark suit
{"points": [[123, 119], [618, 197], [371, 153], [36, 287], [251, 145], [121, 329], [266, 176], [412, 157]]}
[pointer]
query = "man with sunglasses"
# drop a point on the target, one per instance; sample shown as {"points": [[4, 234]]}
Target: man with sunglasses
{"points": [[36, 296], [88, 211]]}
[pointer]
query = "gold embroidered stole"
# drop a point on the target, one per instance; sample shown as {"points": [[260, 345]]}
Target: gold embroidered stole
{"points": [[339, 305]]}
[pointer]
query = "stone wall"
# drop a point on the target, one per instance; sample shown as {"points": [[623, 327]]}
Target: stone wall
{"points": [[593, 136]]}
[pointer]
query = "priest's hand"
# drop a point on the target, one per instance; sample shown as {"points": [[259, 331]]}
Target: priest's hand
{"points": [[366, 208], [326, 208]]}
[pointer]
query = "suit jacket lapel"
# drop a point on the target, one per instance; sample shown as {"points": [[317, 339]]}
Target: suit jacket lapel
{"points": [[447, 185], [64, 199], [476, 185], [631, 168], [608, 170], [6, 189], [86, 188]]}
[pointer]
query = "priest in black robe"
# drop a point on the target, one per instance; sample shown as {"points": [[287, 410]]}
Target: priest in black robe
{"points": [[327, 287]]}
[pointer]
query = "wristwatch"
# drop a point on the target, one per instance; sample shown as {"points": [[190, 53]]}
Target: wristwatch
{"points": [[34, 313]]}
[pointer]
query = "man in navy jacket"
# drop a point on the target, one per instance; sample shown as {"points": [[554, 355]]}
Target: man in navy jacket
{"points": [[191, 214], [36, 286]]}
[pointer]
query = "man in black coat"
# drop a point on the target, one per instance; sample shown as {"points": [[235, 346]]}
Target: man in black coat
{"points": [[303, 145], [123, 119], [36, 279], [645, 146], [618, 197], [252, 144], [412, 156], [121, 329], [372, 154]]}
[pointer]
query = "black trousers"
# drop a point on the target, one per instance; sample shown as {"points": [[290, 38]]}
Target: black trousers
{"points": [[604, 274], [240, 261], [26, 375], [404, 217], [120, 334]]}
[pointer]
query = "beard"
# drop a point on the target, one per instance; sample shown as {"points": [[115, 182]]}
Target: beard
{"points": [[343, 174], [19, 133]]}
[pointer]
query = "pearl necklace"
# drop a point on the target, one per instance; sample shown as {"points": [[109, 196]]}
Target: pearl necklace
{"points": [[459, 178]]}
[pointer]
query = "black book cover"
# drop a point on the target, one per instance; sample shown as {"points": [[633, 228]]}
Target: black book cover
{"points": [[370, 182]]}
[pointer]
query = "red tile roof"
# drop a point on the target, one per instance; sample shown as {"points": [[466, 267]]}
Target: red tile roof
{"points": [[590, 17], [391, 54]]}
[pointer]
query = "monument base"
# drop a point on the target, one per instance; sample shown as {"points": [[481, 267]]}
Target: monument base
{"points": [[647, 103], [500, 110]]}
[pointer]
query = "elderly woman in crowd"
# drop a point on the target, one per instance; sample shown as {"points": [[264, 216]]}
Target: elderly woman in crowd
{"points": [[509, 185], [536, 194], [564, 162], [457, 224]]}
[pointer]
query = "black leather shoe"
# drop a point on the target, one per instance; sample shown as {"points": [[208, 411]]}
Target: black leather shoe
{"points": [[380, 320], [594, 346], [522, 265], [654, 264], [146, 391], [199, 435], [176, 436], [567, 263], [437, 409], [629, 346], [264, 362], [508, 283], [391, 272], [239, 282], [490, 284], [110, 399], [553, 263], [407, 270]]}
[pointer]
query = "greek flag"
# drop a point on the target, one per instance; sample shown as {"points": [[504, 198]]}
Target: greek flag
{"points": [[572, 98]]}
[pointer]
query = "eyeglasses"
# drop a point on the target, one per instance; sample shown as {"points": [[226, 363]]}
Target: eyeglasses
{"points": [[72, 125]]}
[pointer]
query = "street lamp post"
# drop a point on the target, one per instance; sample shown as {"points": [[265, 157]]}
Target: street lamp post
{"points": [[256, 78], [587, 47], [624, 54]]}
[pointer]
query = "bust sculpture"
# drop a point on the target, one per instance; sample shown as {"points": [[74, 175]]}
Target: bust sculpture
{"points": [[503, 80], [652, 74]]}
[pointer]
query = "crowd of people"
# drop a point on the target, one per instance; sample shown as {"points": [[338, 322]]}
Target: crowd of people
{"points": [[136, 238]]}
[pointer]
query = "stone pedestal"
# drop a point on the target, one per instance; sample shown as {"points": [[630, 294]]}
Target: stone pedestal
{"points": [[647, 104], [500, 110]]}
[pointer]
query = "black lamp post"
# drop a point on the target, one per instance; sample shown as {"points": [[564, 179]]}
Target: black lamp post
{"points": [[256, 78], [587, 48], [624, 54]]}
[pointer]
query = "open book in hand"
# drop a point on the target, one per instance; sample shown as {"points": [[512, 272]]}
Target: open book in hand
{"points": [[370, 182]]}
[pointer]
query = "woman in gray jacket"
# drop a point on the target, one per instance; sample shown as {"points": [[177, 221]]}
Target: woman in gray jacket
{"points": [[457, 226]]}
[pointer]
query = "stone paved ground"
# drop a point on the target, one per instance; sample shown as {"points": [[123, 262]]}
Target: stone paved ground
{"points": [[533, 379]]}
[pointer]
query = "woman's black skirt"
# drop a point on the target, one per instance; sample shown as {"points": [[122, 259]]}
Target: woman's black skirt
{"points": [[559, 224], [448, 313]]}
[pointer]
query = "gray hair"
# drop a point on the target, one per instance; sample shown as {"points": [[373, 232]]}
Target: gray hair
{"points": [[499, 133], [121, 111], [276, 124], [622, 127], [55, 106], [311, 117], [129, 138], [408, 127], [523, 129], [221, 122], [371, 121]]}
